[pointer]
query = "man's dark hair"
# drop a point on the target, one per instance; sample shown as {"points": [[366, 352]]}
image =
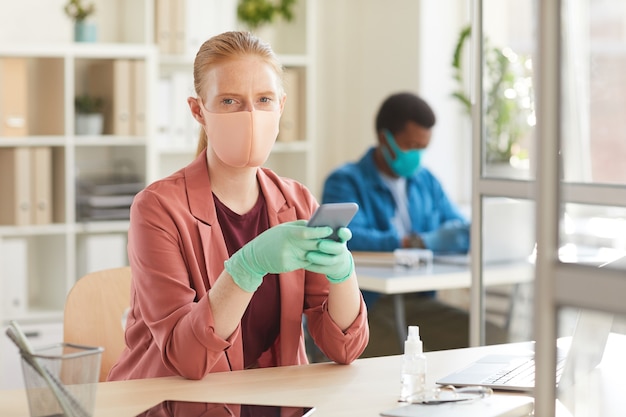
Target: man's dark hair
{"points": [[400, 108]]}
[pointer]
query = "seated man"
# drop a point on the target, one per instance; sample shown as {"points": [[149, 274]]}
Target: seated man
{"points": [[401, 203]]}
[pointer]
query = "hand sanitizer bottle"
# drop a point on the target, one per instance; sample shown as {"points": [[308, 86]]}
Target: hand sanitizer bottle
{"points": [[413, 377]]}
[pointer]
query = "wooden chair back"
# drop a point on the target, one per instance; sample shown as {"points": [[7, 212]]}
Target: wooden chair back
{"points": [[94, 313]]}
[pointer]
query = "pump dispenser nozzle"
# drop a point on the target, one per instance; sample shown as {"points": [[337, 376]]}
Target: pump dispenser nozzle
{"points": [[413, 343], [413, 377]]}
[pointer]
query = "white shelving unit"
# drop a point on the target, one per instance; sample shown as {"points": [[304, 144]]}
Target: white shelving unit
{"points": [[51, 266], [40, 261]]}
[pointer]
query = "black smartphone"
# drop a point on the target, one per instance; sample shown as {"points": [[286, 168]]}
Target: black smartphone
{"points": [[335, 215]]}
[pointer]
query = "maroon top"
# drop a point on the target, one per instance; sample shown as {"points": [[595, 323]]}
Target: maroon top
{"points": [[261, 321]]}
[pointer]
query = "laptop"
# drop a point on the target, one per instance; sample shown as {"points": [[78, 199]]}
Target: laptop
{"points": [[508, 233], [517, 372]]}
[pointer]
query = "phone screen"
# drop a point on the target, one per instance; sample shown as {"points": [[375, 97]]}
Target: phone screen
{"points": [[335, 215]]}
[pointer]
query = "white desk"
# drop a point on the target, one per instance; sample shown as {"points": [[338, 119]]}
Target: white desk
{"points": [[363, 389], [376, 272], [395, 280]]}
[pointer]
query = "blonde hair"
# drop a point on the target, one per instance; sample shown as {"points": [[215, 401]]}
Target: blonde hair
{"points": [[224, 47]]}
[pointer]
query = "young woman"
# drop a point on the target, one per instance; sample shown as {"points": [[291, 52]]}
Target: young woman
{"points": [[223, 263]]}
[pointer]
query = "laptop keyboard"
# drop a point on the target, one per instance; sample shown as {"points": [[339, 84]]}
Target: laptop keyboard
{"points": [[520, 374]]}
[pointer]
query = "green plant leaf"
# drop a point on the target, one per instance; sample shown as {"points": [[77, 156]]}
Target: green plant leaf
{"points": [[86, 104], [506, 117], [255, 13]]}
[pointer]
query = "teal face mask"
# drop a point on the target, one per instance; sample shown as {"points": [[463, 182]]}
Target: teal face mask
{"points": [[406, 162]]}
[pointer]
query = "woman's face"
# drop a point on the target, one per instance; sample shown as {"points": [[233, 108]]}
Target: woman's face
{"points": [[243, 84]]}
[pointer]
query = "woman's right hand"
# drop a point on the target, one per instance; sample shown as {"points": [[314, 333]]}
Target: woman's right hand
{"points": [[282, 248]]}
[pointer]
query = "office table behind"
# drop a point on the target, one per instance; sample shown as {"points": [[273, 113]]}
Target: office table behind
{"points": [[376, 272], [393, 280], [362, 389]]}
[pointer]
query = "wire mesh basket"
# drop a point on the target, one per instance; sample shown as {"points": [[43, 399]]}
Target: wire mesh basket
{"points": [[76, 367]]}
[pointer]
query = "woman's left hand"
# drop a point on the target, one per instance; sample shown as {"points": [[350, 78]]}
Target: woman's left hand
{"points": [[332, 258]]}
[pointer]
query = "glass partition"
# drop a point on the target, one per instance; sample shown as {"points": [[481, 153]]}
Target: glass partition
{"points": [[592, 234], [508, 93], [582, 387], [594, 91], [508, 245]]}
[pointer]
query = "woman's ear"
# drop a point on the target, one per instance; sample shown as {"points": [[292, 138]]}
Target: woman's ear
{"points": [[196, 109], [282, 102]]}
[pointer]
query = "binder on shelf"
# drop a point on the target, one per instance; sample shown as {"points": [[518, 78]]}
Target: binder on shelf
{"points": [[46, 95], [138, 82], [163, 27], [290, 128], [58, 185], [41, 185], [14, 276], [178, 26], [13, 96], [15, 186], [111, 80]]}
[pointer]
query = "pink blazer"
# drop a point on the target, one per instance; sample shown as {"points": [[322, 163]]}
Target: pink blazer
{"points": [[176, 252]]}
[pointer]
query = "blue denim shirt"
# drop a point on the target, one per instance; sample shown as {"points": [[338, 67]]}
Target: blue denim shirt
{"points": [[372, 227]]}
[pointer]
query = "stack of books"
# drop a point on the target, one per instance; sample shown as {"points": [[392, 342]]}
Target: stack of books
{"points": [[106, 198]]}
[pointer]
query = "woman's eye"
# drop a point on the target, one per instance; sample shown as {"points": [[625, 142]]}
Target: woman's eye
{"points": [[228, 101], [266, 99]]}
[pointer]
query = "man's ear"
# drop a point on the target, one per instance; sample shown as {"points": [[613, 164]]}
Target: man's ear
{"points": [[381, 138], [383, 142], [196, 109]]}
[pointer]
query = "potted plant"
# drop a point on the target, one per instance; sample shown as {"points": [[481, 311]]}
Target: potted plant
{"points": [[508, 100], [84, 31], [89, 115], [256, 13]]}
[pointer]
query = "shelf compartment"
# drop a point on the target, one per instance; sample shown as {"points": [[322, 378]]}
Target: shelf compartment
{"points": [[98, 251], [104, 191], [34, 274], [31, 96], [121, 85]]}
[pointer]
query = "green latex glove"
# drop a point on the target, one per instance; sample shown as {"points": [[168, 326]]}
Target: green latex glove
{"points": [[282, 248], [332, 258]]}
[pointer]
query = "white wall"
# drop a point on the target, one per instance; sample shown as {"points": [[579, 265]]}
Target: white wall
{"points": [[26, 21], [449, 155], [368, 49]]}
